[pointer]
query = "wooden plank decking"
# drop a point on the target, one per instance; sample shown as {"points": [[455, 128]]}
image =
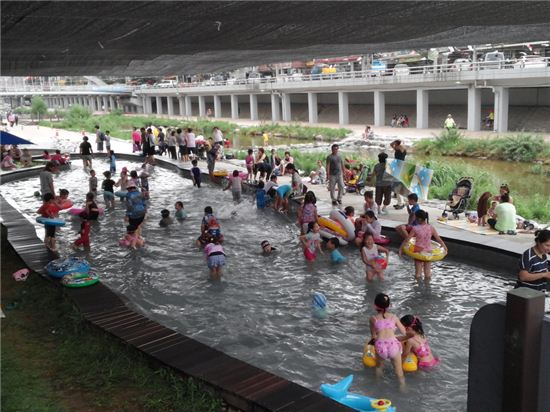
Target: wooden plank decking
{"points": [[240, 384]]}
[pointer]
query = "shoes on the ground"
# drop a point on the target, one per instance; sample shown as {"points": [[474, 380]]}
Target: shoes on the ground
{"points": [[398, 207], [339, 202], [501, 233], [334, 203], [511, 232]]}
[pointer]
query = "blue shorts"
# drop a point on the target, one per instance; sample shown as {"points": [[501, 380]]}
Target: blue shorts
{"points": [[215, 261], [108, 195]]}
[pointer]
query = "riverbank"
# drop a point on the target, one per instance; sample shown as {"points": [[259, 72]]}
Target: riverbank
{"points": [[52, 360]]}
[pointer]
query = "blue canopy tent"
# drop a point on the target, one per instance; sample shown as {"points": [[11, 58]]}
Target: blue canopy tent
{"points": [[8, 138]]}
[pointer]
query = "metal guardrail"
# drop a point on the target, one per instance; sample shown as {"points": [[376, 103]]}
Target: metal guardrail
{"points": [[504, 66]]}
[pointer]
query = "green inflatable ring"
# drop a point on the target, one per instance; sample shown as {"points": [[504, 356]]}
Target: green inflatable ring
{"points": [[79, 280]]}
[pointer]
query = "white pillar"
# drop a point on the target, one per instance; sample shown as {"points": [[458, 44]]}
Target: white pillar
{"points": [[202, 106], [501, 108], [312, 107], [474, 108], [234, 106], [65, 102], [287, 112], [379, 108], [422, 108], [217, 106], [343, 108], [275, 108], [181, 103], [170, 105], [188, 106], [253, 107], [105, 104], [98, 103], [111, 103], [159, 104]]}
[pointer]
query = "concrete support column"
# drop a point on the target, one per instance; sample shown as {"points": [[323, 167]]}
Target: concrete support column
{"points": [[343, 108], [159, 104], [501, 108], [181, 102], [170, 105], [65, 102], [217, 106], [379, 108], [287, 112], [188, 106], [111, 103], [312, 107], [98, 103], [474, 108], [275, 108], [234, 106], [422, 108], [202, 106], [105, 104], [253, 107]]}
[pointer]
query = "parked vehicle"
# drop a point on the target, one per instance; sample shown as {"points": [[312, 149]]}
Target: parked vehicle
{"points": [[401, 70], [462, 64], [167, 83], [378, 68], [493, 60]]}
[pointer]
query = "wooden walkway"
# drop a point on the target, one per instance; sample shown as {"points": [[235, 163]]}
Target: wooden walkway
{"points": [[240, 384]]}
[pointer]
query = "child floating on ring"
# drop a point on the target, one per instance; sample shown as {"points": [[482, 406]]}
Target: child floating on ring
{"points": [[417, 342], [311, 241]]}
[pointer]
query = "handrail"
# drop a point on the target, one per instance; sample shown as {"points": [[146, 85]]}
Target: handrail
{"points": [[531, 64]]}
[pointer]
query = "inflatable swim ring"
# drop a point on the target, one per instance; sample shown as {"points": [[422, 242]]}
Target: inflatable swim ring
{"points": [[50, 222], [221, 173], [79, 280], [410, 363], [437, 252], [332, 225], [78, 210], [381, 262], [369, 356], [349, 229], [66, 204], [382, 240], [327, 234], [61, 267]]}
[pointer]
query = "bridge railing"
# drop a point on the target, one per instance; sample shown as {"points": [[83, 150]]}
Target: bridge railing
{"points": [[38, 88]]}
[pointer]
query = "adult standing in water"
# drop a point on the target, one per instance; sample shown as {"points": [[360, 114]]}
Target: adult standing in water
{"points": [[211, 158], [46, 179], [86, 152], [99, 138], [400, 152], [534, 266], [335, 173]]}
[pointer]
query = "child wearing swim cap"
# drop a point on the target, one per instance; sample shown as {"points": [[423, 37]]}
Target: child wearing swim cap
{"points": [[267, 248]]}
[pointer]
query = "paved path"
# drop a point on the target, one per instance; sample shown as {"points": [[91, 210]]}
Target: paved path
{"points": [[45, 137]]}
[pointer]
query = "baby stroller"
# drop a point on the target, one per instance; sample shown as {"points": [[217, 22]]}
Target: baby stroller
{"points": [[459, 197]]}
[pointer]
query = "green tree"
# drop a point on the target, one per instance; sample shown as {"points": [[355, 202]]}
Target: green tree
{"points": [[38, 106]]}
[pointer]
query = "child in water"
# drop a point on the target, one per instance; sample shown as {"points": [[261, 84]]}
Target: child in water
{"points": [[261, 200], [180, 213], [423, 233], [282, 193], [195, 173], [209, 228], [93, 182], [215, 257], [368, 223], [371, 256], [131, 240], [49, 209], [382, 329], [307, 213], [335, 256], [249, 162], [91, 211], [311, 241], [84, 239], [112, 161], [166, 219], [417, 342], [235, 185], [108, 190], [267, 249]]}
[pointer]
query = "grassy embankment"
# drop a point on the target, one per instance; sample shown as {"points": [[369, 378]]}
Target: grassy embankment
{"points": [[79, 118], [52, 360]]}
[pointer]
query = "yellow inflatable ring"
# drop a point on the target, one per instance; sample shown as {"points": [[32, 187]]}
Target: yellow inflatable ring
{"points": [[221, 173], [437, 253], [410, 363], [332, 225], [369, 356]]}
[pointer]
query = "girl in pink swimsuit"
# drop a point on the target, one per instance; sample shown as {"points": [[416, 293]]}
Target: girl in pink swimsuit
{"points": [[382, 329], [423, 233], [417, 343]]}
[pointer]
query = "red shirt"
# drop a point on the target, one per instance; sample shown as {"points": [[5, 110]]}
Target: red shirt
{"points": [[59, 158], [50, 210]]}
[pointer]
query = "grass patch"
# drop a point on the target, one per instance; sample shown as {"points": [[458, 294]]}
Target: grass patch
{"points": [[521, 147], [80, 118], [52, 360]]}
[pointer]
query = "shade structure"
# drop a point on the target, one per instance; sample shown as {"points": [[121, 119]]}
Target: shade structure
{"points": [[8, 138]]}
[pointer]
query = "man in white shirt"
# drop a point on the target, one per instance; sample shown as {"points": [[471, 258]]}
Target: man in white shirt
{"points": [[191, 143]]}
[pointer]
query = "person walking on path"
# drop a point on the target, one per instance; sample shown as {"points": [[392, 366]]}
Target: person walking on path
{"points": [[335, 173], [86, 152]]}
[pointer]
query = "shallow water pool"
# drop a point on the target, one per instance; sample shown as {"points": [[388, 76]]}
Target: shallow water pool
{"points": [[261, 310]]}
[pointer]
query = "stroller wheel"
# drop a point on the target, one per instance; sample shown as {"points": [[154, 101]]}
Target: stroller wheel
{"points": [[444, 214], [362, 191]]}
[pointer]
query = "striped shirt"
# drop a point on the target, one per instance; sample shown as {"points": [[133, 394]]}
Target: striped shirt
{"points": [[532, 263]]}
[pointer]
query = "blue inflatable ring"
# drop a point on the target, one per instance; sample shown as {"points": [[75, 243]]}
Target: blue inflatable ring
{"points": [[61, 267], [50, 222]]}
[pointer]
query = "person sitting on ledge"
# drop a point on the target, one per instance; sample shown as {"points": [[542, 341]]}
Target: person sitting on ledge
{"points": [[534, 266], [505, 221]]}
